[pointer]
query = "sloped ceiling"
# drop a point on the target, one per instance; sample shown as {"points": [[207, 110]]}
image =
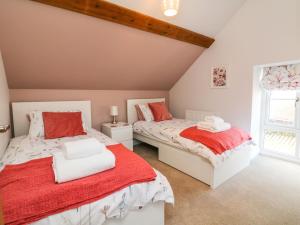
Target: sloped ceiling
{"points": [[206, 17], [50, 48]]}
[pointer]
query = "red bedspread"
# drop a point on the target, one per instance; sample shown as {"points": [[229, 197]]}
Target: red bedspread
{"points": [[217, 142], [29, 192]]}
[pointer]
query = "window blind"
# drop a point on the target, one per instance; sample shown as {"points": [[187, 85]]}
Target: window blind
{"points": [[284, 77]]}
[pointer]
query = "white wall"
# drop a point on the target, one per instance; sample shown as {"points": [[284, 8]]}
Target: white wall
{"points": [[261, 32], [4, 108]]}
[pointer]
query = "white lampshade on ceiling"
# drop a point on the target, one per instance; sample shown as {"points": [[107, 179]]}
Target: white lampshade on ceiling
{"points": [[170, 7]]}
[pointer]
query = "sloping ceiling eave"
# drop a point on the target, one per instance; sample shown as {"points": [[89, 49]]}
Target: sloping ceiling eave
{"points": [[60, 49]]}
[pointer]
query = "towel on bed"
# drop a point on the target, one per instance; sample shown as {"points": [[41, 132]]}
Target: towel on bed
{"points": [[82, 148], [36, 195], [67, 170], [213, 119], [213, 126]]}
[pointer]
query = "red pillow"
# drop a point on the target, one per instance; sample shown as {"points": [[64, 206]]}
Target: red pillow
{"points": [[160, 111], [62, 124]]}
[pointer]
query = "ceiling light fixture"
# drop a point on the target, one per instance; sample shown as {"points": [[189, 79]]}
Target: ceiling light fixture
{"points": [[170, 7]]}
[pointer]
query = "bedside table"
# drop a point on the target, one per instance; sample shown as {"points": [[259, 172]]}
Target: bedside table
{"points": [[121, 132]]}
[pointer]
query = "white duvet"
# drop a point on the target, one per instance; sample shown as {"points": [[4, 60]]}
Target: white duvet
{"points": [[169, 131], [116, 205]]}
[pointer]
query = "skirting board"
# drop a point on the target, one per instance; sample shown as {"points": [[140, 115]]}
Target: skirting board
{"points": [[149, 215], [197, 166]]}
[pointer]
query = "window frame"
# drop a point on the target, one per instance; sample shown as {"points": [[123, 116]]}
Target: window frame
{"points": [[278, 124], [266, 124]]}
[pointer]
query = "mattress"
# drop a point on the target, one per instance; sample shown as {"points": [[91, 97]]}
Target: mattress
{"points": [[116, 205], [168, 131]]}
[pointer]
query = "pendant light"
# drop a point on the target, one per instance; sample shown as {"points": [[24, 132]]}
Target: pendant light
{"points": [[170, 7]]}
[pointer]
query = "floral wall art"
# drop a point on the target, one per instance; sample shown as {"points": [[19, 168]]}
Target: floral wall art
{"points": [[219, 77]]}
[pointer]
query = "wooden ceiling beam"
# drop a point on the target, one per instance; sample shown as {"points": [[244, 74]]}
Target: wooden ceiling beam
{"points": [[121, 15]]}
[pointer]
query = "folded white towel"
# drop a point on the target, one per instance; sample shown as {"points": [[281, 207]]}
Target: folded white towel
{"points": [[67, 170], [82, 148], [213, 127], [213, 130], [214, 119]]}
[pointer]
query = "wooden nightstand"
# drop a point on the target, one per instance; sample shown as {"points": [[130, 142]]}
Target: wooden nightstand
{"points": [[121, 132]]}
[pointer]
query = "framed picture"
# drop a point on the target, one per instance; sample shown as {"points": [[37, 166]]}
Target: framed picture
{"points": [[219, 77]]}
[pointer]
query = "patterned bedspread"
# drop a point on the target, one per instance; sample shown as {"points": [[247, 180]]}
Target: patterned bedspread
{"points": [[169, 131], [116, 205]]}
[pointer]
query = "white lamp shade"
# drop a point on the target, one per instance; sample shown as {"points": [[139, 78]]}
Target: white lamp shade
{"points": [[114, 110], [170, 7]]}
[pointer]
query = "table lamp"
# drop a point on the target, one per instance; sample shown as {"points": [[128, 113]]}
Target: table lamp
{"points": [[114, 113]]}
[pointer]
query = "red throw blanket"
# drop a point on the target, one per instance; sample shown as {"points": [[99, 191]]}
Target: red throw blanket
{"points": [[217, 142], [29, 192]]}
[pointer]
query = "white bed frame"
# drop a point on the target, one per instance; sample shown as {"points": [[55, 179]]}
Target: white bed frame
{"points": [[149, 215], [189, 163], [21, 111]]}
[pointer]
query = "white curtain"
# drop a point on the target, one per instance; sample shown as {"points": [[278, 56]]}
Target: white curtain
{"points": [[285, 77]]}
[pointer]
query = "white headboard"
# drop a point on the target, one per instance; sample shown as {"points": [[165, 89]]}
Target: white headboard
{"points": [[131, 112], [197, 115], [22, 109]]}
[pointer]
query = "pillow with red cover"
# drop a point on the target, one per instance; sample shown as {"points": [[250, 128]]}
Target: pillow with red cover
{"points": [[160, 111], [62, 124]]}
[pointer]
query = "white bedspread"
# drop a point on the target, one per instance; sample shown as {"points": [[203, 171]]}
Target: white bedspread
{"points": [[116, 205], [169, 131]]}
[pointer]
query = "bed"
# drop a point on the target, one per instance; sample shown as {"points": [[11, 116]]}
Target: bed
{"points": [[185, 155], [141, 206]]}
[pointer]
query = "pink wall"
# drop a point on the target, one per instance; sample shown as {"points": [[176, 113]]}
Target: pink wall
{"points": [[101, 99], [50, 48]]}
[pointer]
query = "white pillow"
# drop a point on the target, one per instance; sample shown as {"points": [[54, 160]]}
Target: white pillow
{"points": [[147, 113], [36, 128]]}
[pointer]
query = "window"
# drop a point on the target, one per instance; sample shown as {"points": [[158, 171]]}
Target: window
{"points": [[280, 110], [280, 128], [281, 142], [281, 107]]}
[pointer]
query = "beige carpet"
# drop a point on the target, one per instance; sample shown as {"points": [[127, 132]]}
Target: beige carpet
{"points": [[266, 193]]}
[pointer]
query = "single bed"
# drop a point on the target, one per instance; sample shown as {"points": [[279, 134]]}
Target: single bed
{"points": [[188, 156], [144, 203]]}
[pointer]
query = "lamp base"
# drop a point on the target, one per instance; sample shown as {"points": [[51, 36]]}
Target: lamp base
{"points": [[114, 120]]}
